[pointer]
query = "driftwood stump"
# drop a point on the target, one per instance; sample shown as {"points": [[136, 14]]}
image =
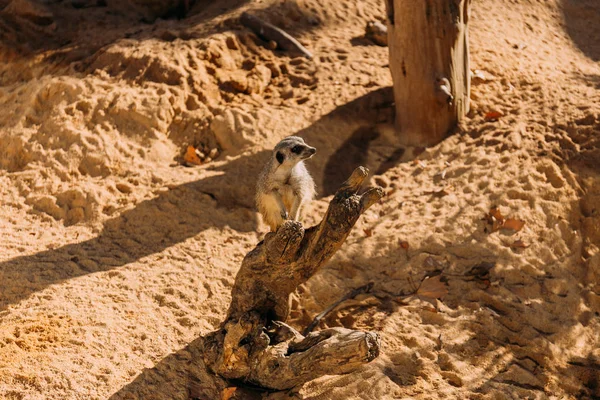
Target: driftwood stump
{"points": [[253, 344], [429, 61]]}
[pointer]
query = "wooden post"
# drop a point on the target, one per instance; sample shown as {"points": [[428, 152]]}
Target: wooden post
{"points": [[253, 344], [429, 60]]}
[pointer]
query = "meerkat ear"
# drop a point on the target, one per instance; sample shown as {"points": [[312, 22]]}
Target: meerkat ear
{"points": [[280, 157]]}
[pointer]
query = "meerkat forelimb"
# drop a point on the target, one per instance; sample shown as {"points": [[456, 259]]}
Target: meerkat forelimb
{"points": [[285, 186]]}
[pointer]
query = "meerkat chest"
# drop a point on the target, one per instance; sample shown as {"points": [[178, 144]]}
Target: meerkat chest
{"points": [[287, 195], [286, 183]]}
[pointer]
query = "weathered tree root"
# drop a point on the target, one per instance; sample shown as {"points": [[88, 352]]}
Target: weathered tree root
{"points": [[252, 344]]}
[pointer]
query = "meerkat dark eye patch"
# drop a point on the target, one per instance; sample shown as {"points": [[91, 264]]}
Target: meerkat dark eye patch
{"points": [[280, 157], [297, 149]]}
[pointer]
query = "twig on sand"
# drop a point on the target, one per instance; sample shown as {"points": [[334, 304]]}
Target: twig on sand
{"points": [[270, 32], [350, 295]]}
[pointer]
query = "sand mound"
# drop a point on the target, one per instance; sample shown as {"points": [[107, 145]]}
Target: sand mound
{"points": [[117, 257]]}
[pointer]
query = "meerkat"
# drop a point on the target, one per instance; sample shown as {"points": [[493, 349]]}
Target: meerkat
{"points": [[285, 186]]}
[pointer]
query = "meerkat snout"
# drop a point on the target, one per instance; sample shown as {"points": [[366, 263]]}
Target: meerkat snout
{"points": [[285, 186]]}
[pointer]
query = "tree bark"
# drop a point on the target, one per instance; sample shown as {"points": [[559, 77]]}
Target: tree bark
{"points": [[252, 344], [429, 60]]}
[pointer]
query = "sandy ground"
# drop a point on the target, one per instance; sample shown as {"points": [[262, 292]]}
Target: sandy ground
{"points": [[116, 258]]}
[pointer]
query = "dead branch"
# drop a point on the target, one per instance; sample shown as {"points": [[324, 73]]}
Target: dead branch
{"points": [[270, 32], [252, 343], [350, 295]]}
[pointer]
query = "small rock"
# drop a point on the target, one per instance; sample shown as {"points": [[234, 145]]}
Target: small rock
{"points": [[213, 153], [123, 188]]}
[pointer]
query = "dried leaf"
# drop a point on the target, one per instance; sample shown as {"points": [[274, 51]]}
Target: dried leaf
{"points": [[519, 244], [191, 157], [514, 224], [493, 115], [495, 218], [368, 232], [228, 392], [404, 244], [495, 213], [433, 288]]}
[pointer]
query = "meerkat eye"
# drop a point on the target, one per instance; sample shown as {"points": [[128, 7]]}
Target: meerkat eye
{"points": [[297, 149], [280, 157]]}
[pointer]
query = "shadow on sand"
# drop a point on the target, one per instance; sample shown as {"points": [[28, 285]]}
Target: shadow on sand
{"points": [[152, 226], [581, 18]]}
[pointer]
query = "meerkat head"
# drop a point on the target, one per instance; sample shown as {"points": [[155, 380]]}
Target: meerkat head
{"points": [[291, 150]]}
